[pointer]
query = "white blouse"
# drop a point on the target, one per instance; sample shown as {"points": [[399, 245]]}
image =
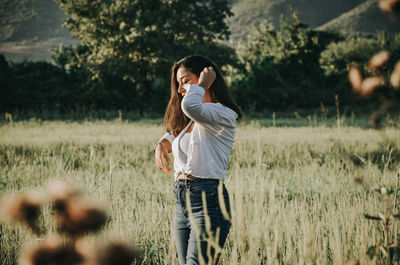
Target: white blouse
{"points": [[210, 142], [180, 148]]}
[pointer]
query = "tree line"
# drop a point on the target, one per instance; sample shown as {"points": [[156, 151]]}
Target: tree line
{"points": [[127, 49]]}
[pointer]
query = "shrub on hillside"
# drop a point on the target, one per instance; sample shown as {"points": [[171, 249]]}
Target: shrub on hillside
{"points": [[357, 51], [282, 68]]}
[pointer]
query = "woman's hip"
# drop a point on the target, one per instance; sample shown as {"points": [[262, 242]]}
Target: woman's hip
{"points": [[202, 194]]}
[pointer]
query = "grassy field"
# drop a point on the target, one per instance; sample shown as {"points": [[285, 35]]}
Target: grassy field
{"points": [[298, 194]]}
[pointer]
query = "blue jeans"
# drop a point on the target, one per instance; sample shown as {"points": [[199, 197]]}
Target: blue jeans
{"points": [[200, 227]]}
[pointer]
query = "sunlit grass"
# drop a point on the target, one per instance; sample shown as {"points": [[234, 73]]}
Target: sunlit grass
{"points": [[293, 195]]}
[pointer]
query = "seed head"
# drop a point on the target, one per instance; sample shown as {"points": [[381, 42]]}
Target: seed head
{"points": [[370, 84], [77, 215], [395, 76], [60, 190], [25, 210], [355, 78], [378, 60], [87, 248], [118, 253], [50, 253], [390, 6]]}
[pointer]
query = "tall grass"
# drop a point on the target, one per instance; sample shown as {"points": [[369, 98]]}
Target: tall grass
{"points": [[293, 192]]}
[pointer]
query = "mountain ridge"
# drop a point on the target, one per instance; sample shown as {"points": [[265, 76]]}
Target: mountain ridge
{"points": [[29, 29], [269, 12], [361, 17]]}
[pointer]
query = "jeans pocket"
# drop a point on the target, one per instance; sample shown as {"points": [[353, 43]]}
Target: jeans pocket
{"points": [[196, 196]]}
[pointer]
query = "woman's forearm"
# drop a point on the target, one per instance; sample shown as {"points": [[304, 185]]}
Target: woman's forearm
{"points": [[167, 145]]}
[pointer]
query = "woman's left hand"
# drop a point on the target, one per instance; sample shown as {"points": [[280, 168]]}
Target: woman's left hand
{"points": [[207, 77]]}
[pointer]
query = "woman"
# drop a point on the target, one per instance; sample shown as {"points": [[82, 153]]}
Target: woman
{"points": [[200, 119]]}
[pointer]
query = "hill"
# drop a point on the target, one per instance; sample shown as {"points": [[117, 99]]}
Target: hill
{"points": [[29, 29], [363, 18], [250, 13]]}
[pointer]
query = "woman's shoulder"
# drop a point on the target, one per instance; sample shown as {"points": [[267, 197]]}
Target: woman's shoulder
{"points": [[223, 114], [226, 110]]}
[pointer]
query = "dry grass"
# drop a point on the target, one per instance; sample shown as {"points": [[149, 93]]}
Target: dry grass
{"points": [[293, 192]]}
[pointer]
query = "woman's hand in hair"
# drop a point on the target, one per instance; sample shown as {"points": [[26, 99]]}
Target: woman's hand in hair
{"points": [[207, 77], [162, 154]]}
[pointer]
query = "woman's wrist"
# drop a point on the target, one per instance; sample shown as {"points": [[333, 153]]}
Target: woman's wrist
{"points": [[155, 146], [207, 77], [204, 85]]}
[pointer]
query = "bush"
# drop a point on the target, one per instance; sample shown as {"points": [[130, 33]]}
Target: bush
{"points": [[358, 50], [282, 68]]}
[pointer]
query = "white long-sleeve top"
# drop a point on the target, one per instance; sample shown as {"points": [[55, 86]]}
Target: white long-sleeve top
{"points": [[210, 143]]}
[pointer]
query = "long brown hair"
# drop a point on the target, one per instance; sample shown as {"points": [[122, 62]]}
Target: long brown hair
{"points": [[175, 120]]}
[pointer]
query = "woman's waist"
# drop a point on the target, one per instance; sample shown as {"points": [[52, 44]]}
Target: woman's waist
{"points": [[188, 178], [180, 175]]}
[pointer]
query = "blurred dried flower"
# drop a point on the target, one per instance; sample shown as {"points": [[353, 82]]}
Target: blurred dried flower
{"points": [[21, 209], [355, 78], [51, 252], [77, 215], [378, 60], [118, 253], [87, 248], [370, 84], [60, 190], [395, 76], [390, 6]]}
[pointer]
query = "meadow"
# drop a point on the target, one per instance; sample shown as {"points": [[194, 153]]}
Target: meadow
{"points": [[298, 193]]}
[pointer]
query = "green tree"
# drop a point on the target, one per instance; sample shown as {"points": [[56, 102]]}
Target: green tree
{"points": [[6, 95], [132, 44], [358, 50], [282, 67]]}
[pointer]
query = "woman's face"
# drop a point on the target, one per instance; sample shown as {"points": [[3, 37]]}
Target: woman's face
{"points": [[183, 77]]}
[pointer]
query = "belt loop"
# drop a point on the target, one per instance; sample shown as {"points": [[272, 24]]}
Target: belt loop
{"points": [[185, 178]]}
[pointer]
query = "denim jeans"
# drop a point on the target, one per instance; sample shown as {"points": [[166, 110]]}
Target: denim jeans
{"points": [[201, 221]]}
